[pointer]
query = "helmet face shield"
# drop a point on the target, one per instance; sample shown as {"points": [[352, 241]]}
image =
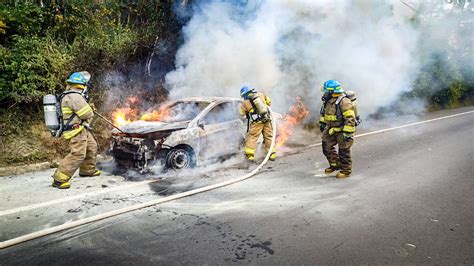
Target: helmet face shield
{"points": [[338, 89], [86, 75]]}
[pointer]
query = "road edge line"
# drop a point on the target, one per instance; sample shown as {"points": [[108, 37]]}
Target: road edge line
{"points": [[398, 127], [79, 196]]}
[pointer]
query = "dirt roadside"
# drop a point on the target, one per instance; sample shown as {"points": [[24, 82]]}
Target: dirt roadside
{"points": [[26, 168]]}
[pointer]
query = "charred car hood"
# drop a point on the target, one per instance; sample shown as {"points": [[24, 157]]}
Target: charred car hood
{"points": [[144, 127]]}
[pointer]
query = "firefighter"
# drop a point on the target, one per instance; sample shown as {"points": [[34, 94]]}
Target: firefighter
{"points": [[255, 108], [337, 123], [83, 147]]}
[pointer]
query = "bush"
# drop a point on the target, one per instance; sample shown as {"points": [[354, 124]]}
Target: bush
{"points": [[440, 83], [40, 45], [31, 68]]}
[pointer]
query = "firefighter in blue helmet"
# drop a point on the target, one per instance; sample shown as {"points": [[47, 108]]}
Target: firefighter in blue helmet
{"points": [[338, 125], [83, 147], [255, 108]]}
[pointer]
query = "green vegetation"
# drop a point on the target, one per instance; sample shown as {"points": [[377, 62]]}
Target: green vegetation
{"points": [[39, 46], [446, 77], [442, 85], [42, 42]]}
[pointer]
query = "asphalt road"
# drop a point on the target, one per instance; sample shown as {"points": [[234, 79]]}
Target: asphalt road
{"points": [[410, 200]]}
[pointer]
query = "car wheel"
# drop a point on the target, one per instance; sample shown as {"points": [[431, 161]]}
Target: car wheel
{"points": [[180, 159]]}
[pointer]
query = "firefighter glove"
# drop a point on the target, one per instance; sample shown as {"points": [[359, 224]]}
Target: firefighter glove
{"points": [[322, 126], [347, 136]]}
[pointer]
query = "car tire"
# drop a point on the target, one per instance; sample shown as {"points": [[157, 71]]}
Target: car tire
{"points": [[180, 158]]}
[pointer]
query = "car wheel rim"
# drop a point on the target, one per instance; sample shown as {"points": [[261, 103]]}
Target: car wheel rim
{"points": [[180, 160]]}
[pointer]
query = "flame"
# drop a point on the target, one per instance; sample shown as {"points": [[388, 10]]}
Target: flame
{"points": [[123, 116], [127, 114], [156, 115], [131, 112], [293, 117]]}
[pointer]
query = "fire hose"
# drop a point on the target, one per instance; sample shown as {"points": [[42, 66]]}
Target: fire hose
{"points": [[95, 218]]}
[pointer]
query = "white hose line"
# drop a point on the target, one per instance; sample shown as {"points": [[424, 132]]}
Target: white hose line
{"points": [[55, 229], [98, 217], [78, 196]]}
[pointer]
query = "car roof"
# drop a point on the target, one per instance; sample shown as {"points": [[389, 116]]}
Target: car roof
{"points": [[208, 99]]}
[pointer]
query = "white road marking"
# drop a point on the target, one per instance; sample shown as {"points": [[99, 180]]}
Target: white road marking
{"points": [[68, 225], [135, 207], [79, 196], [61, 200], [398, 127]]}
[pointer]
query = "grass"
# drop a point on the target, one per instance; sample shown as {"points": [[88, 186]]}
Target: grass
{"points": [[27, 140]]}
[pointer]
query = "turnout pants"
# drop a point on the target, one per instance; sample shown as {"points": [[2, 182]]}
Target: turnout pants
{"points": [[82, 155], [341, 159], [255, 130]]}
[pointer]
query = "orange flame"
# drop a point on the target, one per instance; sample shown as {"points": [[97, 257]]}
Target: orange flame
{"points": [[131, 112], [125, 115], [294, 116], [156, 115]]}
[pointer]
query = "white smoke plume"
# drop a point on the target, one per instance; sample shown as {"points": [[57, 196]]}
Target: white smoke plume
{"points": [[289, 48]]}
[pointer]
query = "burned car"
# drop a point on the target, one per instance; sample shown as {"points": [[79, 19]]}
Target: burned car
{"points": [[192, 132]]}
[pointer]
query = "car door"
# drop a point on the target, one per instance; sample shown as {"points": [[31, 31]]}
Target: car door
{"points": [[221, 128]]}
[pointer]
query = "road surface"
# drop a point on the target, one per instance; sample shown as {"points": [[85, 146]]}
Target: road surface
{"points": [[410, 200]]}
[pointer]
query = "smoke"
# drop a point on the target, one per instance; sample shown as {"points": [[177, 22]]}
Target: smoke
{"points": [[221, 53], [289, 48], [118, 87]]}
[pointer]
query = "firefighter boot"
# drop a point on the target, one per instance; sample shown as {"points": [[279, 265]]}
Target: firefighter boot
{"points": [[250, 158], [61, 180], [96, 173], [273, 157], [331, 169], [342, 175], [64, 185]]}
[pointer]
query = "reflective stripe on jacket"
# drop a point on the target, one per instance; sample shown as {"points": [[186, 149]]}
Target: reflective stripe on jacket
{"points": [[346, 123], [75, 104]]}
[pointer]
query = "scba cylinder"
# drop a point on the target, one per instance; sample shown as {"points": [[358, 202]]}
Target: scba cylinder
{"points": [[352, 96], [260, 105], [50, 112]]}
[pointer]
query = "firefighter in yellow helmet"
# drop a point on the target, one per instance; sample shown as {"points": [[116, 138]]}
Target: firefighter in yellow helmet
{"points": [[338, 125], [255, 108], [77, 115]]}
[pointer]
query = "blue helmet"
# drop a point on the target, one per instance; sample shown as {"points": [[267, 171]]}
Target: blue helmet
{"points": [[244, 91], [333, 86], [78, 78]]}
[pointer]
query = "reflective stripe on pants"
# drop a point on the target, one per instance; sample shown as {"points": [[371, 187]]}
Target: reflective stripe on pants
{"points": [[343, 157], [82, 155], [255, 130]]}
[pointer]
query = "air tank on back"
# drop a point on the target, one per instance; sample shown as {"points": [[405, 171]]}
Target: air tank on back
{"points": [[50, 113], [259, 104], [352, 96]]}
